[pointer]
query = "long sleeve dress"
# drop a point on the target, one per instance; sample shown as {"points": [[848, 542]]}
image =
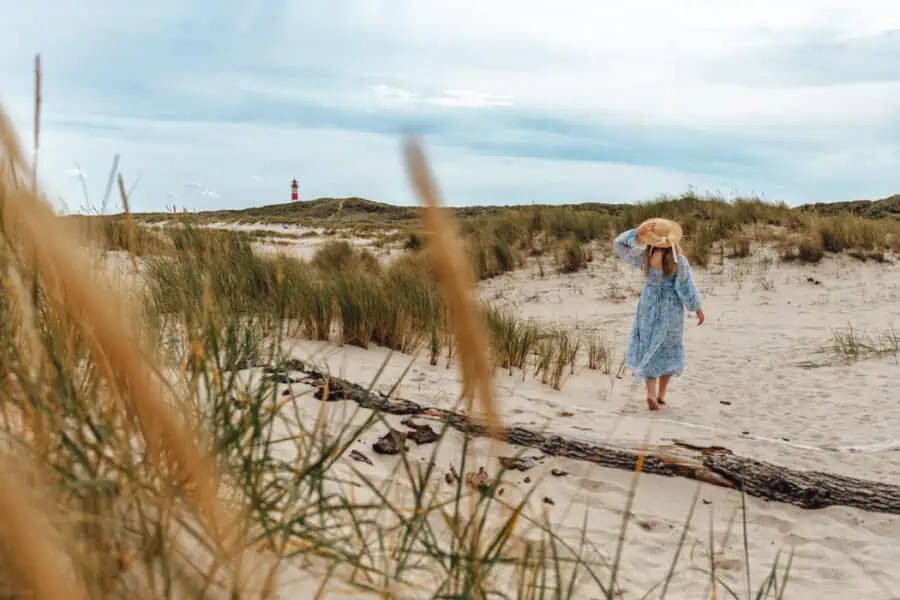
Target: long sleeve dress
{"points": [[656, 345]]}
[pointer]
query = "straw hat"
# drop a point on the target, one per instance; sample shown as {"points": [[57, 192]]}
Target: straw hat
{"points": [[665, 233]]}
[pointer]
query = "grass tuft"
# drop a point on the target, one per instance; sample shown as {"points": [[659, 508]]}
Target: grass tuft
{"points": [[573, 256], [852, 345]]}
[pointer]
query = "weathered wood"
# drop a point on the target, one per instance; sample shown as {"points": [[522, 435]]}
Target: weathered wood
{"points": [[809, 489], [715, 465]]}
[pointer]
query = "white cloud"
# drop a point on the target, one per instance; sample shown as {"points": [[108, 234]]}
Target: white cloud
{"points": [[469, 99], [187, 94], [395, 96]]}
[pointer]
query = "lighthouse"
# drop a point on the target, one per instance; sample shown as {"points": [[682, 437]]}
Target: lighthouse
{"points": [[294, 195]]}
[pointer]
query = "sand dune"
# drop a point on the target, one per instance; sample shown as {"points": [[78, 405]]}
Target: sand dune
{"points": [[761, 380]]}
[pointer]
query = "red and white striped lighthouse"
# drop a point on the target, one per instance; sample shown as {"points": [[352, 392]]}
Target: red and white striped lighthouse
{"points": [[294, 195]]}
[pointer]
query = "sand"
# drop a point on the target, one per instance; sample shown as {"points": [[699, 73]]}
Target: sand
{"points": [[303, 242], [760, 381]]}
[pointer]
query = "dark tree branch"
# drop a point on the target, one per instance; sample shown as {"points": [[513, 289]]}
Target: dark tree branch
{"points": [[714, 465]]}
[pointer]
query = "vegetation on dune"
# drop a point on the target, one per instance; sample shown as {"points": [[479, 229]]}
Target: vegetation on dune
{"points": [[343, 294], [870, 209], [321, 211], [114, 234], [501, 239], [347, 212], [573, 256], [852, 344]]}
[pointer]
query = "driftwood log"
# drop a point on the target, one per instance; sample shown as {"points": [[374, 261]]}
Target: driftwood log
{"points": [[714, 465]]}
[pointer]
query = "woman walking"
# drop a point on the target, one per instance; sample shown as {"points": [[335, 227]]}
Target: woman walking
{"points": [[656, 347]]}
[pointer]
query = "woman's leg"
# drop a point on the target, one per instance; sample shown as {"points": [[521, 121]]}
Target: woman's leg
{"points": [[651, 394], [663, 384]]}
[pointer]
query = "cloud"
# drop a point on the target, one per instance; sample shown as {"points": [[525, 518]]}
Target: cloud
{"points": [[516, 102], [394, 96], [470, 99], [815, 59]]}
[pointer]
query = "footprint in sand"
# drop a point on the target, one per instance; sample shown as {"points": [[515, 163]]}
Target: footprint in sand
{"points": [[729, 564], [593, 485]]}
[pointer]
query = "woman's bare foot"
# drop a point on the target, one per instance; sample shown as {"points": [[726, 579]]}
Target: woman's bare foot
{"points": [[651, 404], [661, 401]]}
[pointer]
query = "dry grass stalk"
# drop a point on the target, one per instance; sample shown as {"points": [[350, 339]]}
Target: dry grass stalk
{"points": [[129, 238], [46, 242], [37, 118], [39, 558], [449, 260]]}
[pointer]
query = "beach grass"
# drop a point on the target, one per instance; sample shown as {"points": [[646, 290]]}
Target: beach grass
{"points": [[500, 240], [851, 344]]}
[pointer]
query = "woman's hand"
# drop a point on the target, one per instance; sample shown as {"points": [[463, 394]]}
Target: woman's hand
{"points": [[700, 317]]}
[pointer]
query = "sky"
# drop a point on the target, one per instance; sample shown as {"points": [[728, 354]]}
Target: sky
{"points": [[220, 103]]}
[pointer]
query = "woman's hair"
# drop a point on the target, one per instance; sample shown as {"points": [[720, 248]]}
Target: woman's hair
{"points": [[668, 260]]}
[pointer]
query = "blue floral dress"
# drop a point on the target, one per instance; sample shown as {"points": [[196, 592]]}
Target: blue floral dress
{"points": [[656, 346]]}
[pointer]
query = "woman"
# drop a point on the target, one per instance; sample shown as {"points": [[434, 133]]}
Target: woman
{"points": [[656, 348]]}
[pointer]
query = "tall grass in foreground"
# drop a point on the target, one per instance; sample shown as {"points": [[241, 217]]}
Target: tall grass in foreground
{"points": [[154, 464]]}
